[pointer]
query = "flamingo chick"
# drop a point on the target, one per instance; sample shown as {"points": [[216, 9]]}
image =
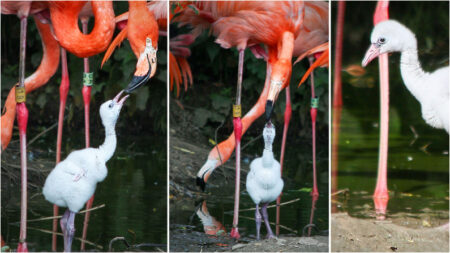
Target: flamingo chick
{"points": [[430, 89], [72, 182], [264, 183]]}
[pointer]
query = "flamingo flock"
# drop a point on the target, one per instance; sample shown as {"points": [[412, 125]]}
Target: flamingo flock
{"points": [[57, 23]]}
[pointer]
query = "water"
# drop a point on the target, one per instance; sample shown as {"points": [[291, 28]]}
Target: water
{"points": [[187, 231], [134, 194]]}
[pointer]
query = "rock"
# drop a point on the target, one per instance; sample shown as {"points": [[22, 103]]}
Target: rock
{"points": [[281, 241], [308, 241], [238, 246]]}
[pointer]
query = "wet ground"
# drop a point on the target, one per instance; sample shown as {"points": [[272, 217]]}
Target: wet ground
{"points": [[201, 221], [131, 202]]}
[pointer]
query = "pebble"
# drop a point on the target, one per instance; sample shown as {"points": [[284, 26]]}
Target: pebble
{"points": [[308, 241]]}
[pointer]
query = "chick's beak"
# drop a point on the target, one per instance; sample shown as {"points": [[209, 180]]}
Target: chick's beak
{"points": [[372, 53], [121, 101]]}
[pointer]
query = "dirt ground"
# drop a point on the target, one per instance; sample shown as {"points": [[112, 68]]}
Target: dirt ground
{"points": [[351, 234], [184, 239]]}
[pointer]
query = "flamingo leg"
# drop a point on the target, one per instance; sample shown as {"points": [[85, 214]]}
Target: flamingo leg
{"points": [[265, 216], [313, 111], [63, 91], [69, 231], [311, 217], [287, 119], [258, 222], [87, 86], [22, 120], [381, 195], [237, 134], [337, 98]]}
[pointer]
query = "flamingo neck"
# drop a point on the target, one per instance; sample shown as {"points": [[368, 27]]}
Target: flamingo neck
{"points": [[412, 72], [267, 158], [109, 146]]}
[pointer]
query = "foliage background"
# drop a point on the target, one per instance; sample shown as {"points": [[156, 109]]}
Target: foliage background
{"points": [[145, 110]]}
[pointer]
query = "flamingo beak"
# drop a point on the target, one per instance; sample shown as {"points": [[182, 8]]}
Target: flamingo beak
{"points": [[372, 53], [121, 101], [139, 77], [275, 88], [138, 81]]}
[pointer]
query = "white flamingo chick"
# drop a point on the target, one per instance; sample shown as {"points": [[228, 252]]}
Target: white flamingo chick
{"points": [[264, 183], [430, 89], [73, 181]]}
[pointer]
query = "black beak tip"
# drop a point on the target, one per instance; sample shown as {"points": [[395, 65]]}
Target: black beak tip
{"points": [[201, 183], [269, 109], [135, 83]]}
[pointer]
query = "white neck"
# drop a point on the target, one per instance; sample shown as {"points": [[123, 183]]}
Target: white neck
{"points": [[109, 146], [412, 72], [267, 158]]}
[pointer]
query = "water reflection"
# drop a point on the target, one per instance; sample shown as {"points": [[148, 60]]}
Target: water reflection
{"points": [[210, 224]]}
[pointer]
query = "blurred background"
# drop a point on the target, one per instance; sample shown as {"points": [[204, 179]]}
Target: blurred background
{"points": [[134, 193]]}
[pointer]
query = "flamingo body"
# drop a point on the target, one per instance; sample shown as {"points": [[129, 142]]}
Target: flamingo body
{"points": [[73, 181], [264, 183]]}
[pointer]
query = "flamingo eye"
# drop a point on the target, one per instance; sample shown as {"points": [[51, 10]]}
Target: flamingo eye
{"points": [[111, 105], [381, 40]]}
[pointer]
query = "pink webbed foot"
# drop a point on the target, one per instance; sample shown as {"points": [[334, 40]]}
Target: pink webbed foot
{"points": [[235, 233]]}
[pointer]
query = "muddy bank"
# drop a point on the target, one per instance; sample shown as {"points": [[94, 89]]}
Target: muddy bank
{"points": [[352, 234], [184, 239]]}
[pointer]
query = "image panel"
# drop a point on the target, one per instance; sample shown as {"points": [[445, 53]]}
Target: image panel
{"points": [[104, 122], [223, 190], [390, 143]]}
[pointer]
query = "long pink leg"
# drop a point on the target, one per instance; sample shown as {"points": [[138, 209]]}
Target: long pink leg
{"points": [[237, 134], [87, 86], [22, 120], [337, 98], [63, 91], [381, 195], [287, 119], [337, 93], [313, 208], [313, 111]]}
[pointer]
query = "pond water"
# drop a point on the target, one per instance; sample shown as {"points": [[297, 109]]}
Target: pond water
{"points": [[134, 194]]}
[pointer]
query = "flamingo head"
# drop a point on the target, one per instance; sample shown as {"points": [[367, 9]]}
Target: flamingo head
{"points": [[145, 67], [110, 110], [279, 79], [204, 173], [389, 36]]}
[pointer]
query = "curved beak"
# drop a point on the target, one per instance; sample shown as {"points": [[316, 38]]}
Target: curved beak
{"points": [[139, 78], [138, 81], [121, 101], [372, 53], [274, 91]]}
